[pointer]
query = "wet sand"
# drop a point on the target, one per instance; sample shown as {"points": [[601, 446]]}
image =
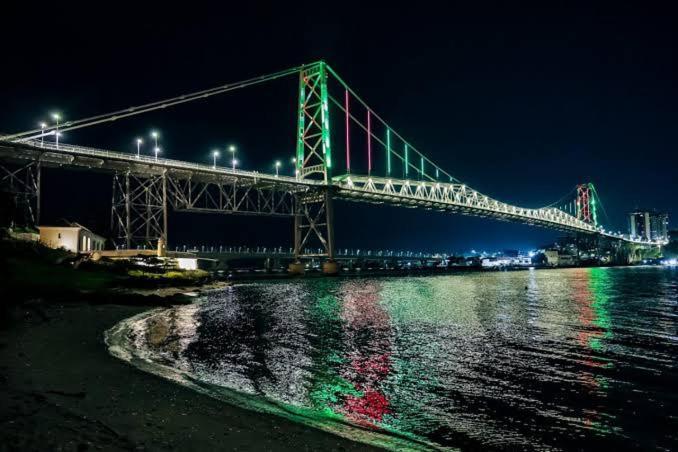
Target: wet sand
{"points": [[60, 389]]}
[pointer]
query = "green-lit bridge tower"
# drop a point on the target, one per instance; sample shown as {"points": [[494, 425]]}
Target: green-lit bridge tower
{"points": [[313, 220]]}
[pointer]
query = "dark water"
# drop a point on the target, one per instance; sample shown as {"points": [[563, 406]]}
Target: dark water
{"points": [[557, 359]]}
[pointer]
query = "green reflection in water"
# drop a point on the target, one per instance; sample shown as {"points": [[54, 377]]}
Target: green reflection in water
{"points": [[600, 285], [328, 388]]}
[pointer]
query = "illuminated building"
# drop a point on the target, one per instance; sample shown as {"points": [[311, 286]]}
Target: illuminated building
{"points": [[73, 237], [648, 225]]}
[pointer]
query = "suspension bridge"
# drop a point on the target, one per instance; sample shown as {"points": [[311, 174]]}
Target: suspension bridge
{"points": [[334, 128]]}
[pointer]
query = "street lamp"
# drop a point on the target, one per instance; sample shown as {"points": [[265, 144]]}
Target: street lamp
{"points": [[215, 154], [156, 150], [155, 136], [139, 143], [57, 118], [42, 134], [232, 150], [277, 165]]}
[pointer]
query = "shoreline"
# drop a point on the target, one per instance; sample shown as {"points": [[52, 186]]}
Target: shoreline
{"points": [[62, 389]]}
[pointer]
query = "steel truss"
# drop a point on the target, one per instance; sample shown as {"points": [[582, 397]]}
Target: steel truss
{"points": [[22, 182], [139, 209], [452, 197], [313, 224], [232, 195]]}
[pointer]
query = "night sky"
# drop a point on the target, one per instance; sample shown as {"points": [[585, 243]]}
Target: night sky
{"points": [[521, 104]]}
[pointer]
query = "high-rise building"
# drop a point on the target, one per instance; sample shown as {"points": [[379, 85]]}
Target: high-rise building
{"points": [[659, 226], [648, 225]]}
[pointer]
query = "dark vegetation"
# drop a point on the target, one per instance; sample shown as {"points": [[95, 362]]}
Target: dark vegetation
{"points": [[32, 271]]}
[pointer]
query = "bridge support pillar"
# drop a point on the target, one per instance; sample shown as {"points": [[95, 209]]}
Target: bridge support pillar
{"points": [[21, 186], [139, 210], [314, 228]]}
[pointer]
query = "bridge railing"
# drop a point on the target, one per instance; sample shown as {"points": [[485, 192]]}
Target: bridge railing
{"points": [[160, 161], [289, 252]]}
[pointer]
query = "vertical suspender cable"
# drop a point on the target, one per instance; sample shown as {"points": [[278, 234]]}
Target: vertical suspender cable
{"points": [[407, 162], [369, 143], [348, 140], [388, 151]]}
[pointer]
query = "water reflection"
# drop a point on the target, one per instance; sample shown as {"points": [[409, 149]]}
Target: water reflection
{"points": [[576, 358]]}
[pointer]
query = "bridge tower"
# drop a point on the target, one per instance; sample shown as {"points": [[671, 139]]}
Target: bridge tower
{"points": [[586, 204], [313, 219]]}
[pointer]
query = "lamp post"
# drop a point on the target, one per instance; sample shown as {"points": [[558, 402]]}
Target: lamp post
{"points": [[156, 150], [277, 165], [57, 118], [232, 150], [139, 143], [42, 134], [215, 154], [155, 136]]}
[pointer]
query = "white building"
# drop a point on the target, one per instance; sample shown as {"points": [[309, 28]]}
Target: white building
{"points": [[74, 237], [552, 257]]}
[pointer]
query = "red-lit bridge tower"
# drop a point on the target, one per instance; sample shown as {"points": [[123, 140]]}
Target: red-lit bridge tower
{"points": [[586, 203]]}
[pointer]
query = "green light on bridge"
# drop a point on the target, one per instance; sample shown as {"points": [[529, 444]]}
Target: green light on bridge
{"points": [[388, 151], [407, 162], [325, 112], [301, 126]]}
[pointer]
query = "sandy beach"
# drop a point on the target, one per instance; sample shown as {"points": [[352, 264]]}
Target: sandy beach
{"points": [[61, 390]]}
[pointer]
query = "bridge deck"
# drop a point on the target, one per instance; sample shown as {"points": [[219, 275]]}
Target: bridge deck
{"points": [[444, 197]]}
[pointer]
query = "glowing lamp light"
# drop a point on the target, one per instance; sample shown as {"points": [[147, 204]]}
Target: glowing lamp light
{"points": [[139, 142]]}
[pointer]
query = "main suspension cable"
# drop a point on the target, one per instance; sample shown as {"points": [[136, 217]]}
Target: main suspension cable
{"points": [[152, 106]]}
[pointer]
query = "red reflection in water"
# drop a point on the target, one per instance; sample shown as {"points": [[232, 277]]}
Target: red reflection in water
{"points": [[368, 330]]}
